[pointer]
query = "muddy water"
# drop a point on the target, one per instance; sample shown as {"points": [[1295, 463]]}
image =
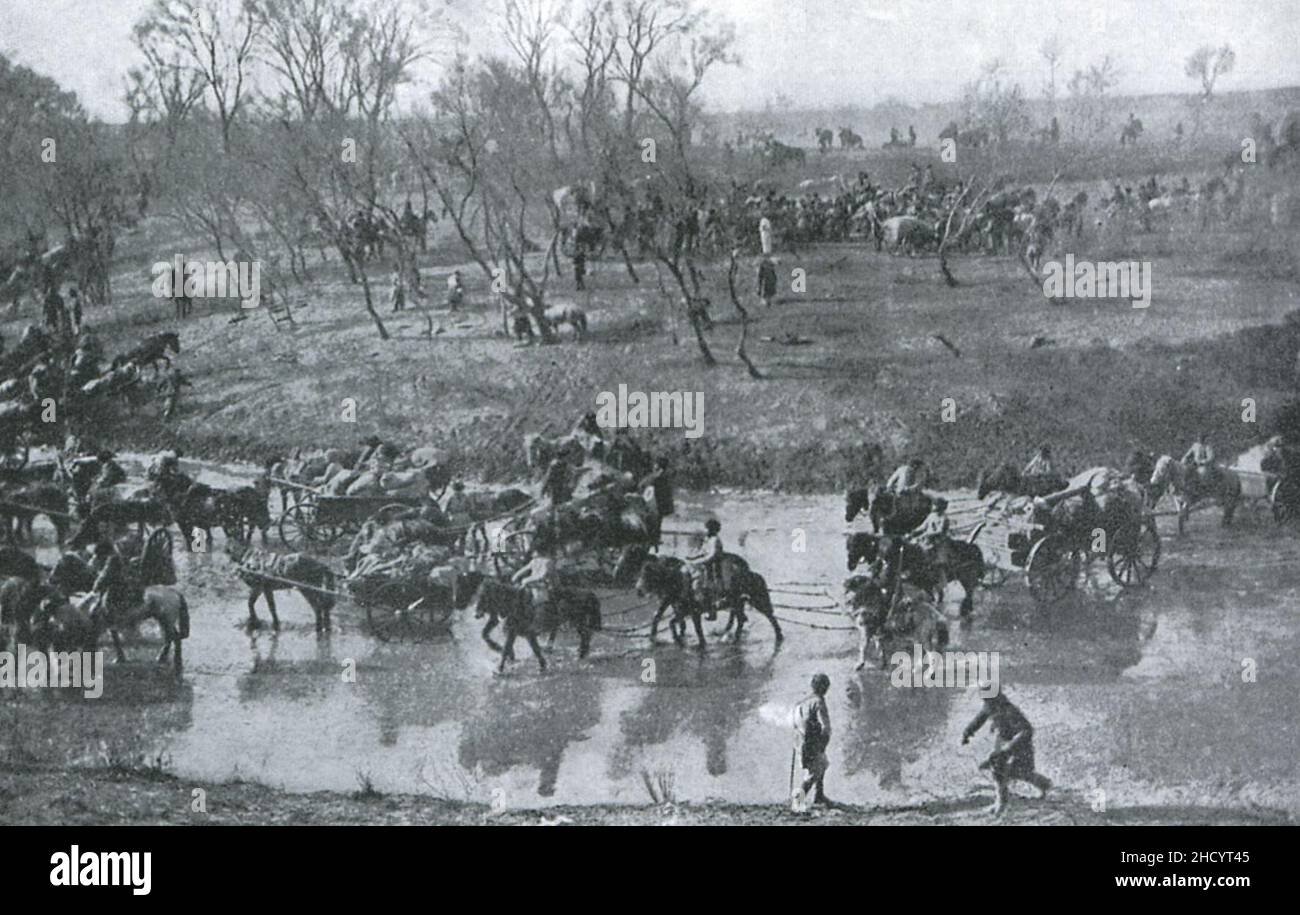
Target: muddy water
{"points": [[1140, 696]]}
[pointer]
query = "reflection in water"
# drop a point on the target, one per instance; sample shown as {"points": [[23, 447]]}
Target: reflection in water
{"points": [[708, 698], [530, 722], [1141, 693]]}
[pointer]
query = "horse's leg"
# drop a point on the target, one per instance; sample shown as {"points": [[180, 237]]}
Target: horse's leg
{"points": [[654, 621], [169, 638], [537, 649], [253, 621], [699, 629], [270, 604], [584, 640], [508, 652], [487, 637], [117, 646]]}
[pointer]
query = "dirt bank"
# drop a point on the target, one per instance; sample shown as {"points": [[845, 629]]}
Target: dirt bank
{"points": [[87, 797]]}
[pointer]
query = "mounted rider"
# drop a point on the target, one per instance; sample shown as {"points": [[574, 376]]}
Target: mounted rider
{"points": [[909, 477], [116, 588], [705, 569], [1200, 457], [538, 576]]}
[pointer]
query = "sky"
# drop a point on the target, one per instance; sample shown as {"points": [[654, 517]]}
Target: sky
{"points": [[816, 53]]}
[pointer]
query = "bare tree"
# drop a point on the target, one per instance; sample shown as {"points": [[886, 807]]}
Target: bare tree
{"points": [[217, 40], [1206, 64]]}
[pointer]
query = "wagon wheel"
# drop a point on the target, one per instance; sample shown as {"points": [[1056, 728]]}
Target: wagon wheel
{"points": [[1052, 569], [1134, 558], [386, 612], [393, 617], [297, 525], [1277, 498], [161, 539]]}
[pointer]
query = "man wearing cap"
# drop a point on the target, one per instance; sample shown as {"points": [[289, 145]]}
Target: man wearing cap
{"points": [[115, 588], [706, 568], [907, 478], [1013, 749], [812, 735]]}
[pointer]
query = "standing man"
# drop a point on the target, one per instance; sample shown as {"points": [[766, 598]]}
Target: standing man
{"points": [[455, 291], [399, 290], [1013, 749], [767, 281], [765, 235], [812, 735]]}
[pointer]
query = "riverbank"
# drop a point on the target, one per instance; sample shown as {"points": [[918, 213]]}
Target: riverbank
{"points": [[888, 362], [82, 797]]}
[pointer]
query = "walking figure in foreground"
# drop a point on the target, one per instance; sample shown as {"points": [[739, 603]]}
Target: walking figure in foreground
{"points": [[812, 735], [1013, 751]]}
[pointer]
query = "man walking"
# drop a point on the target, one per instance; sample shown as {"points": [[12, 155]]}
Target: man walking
{"points": [[1013, 751], [812, 735]]}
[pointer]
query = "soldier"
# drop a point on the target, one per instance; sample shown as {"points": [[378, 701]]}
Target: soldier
{"points": [[115, 589], [455, 291], [74, 298], [399, 290], [538, 575], [706, 568], [661, 481], [171, 384], [767, 281], [1013, 751], [1201, 457], [557, 485], [1040, 465], [907, 477], [110, 472], [812, 735]]}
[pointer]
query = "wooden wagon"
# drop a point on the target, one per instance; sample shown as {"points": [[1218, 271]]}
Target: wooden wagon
{"points": [[320, 519]]}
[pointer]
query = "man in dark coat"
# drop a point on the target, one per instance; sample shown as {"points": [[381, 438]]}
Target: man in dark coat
{"points": [[1013, 750]]}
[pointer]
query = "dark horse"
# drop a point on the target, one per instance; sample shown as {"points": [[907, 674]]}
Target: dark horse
{"points": [[890, 513], [1007, 478], [955, 560], [669, 579], [505, 604], [151, 350]]}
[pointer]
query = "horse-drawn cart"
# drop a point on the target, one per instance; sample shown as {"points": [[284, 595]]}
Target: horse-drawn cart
{"points": [[1264, 486], [315, 518], [1054, 538]]}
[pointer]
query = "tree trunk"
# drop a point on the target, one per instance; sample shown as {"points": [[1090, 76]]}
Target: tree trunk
{"points": [[370, 305], [741, 354]]}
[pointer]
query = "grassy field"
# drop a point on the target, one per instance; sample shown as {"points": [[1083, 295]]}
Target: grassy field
{"points": [[1094, 377]]}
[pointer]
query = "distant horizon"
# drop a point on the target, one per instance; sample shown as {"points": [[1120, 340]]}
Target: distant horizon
{"points": [[817, 54]]}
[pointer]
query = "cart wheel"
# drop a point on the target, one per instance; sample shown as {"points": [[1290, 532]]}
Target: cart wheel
{"points": [[1278, 500], [296, 526], [1132, 563], [1052, 570]]}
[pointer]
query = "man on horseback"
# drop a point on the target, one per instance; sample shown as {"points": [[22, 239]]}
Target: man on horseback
{"points": [[538, 576], [1200, 457], [116, 589], [908, 477], [706, 569]]}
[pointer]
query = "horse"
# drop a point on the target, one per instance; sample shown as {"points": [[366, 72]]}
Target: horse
{"points": [[1188, 488], [955, 560], [1007, 478], [899, 513], [76, 613], [669, 579], [540, 450], [150, 351], [20, 601], [266, 572], [571, 315], [880, 615], [503, 603], [20, 505]]}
